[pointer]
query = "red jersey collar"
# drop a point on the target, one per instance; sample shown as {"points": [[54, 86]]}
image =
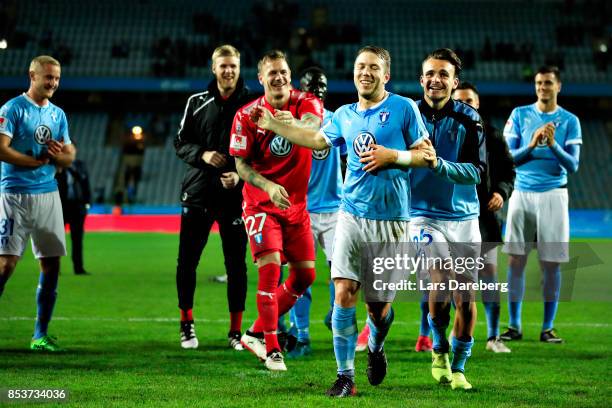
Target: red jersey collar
{"points": [[292, 96]]}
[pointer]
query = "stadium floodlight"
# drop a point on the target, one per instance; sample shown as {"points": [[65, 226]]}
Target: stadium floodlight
{"points": [[3, 44], [137, 133]]}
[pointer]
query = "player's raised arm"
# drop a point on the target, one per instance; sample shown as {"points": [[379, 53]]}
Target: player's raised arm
{"points": [[471, 163], [569, 154], [278, 194], [305, 133], [308, 120], [512, 134], [569, 157], [380, 156]]}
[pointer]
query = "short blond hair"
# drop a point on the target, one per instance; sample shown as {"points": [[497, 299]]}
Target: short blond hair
{"points": [[43, 60], [225, 50], [269, 56]]}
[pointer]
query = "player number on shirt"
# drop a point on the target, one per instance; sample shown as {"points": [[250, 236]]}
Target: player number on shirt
{"points": [[6, 226], [254, 223]]}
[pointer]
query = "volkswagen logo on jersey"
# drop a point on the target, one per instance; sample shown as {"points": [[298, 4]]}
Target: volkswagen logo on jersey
{"points": [[320, 154], [281, 147], [362, 142], [42, 134]]}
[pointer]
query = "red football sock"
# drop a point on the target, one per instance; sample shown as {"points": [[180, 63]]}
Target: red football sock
{"points": [[235, 321], [296, 284], [267, 305], [186, 315]]}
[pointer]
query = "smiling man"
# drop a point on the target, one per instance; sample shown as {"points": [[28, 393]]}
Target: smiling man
{"points": [[33, 140], [276, 174], [375, 201], [545, 141], [445, 209], [211, 192]]}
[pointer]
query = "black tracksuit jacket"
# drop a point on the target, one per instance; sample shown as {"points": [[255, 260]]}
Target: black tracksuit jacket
{"points": [[206, 126]]}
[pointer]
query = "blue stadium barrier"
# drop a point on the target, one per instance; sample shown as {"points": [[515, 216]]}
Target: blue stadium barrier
{"points": [[583, 223], [591, 223]]}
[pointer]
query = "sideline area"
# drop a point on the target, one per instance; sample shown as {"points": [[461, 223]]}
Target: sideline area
{"points": [[139, 218]]}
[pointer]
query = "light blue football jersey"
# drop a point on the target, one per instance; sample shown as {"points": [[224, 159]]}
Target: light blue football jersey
{"points": [[325, 184], [394, 123], [541, 171], [457, 135], [30, 126]]}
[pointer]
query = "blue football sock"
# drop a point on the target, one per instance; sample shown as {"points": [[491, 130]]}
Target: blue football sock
{"points": [[344, 329], [438, 328], [3, 280], [332, 296], [378, 333], [462, 350], [551, 289], [492, 314], [516, 291], [424, 328], [300, 316], [45, 300], [491, 305]]}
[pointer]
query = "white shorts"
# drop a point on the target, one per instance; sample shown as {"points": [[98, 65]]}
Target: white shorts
{"points": [[538, 220], [444, 240], [351, 233], [323, 227], [36, 215], [489, 256]]}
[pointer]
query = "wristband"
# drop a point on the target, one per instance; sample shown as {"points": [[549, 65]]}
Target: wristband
{"points": [[404, 157]]}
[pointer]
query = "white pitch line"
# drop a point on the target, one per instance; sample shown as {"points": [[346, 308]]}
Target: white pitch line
{"points": [[174, 320]]}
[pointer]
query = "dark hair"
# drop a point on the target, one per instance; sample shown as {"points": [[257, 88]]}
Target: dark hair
{"points": [[380, 52], [446, 54], [467, 85], [272, 55], [312, 70], [550, 69]]}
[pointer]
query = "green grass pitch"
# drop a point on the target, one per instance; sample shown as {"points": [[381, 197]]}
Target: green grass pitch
{"points": [[120, 326]]}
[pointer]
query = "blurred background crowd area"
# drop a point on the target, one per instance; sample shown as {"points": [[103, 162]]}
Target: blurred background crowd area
{"points": [[129, 66]]}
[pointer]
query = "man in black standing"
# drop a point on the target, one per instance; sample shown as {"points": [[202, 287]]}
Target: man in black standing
{"points": [[75, 194], [211, 191], [492, 193]]}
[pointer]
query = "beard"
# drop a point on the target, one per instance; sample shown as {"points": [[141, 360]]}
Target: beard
{"points": [[370, 93], [437, 96]]}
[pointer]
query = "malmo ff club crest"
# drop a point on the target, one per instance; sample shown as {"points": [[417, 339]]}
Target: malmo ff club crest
{"points": [[362, 142], [42, 134], [320, 154], [280, 147]]}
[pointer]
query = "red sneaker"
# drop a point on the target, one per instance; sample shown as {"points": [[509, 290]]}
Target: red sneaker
{"points": [[362, 339], [423, 344]]}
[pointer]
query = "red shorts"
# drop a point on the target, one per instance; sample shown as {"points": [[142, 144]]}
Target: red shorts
{"points": [[286, 231]]}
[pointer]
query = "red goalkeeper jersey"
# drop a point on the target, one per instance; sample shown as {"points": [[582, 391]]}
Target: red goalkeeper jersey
{"points": [[271, 155]]}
